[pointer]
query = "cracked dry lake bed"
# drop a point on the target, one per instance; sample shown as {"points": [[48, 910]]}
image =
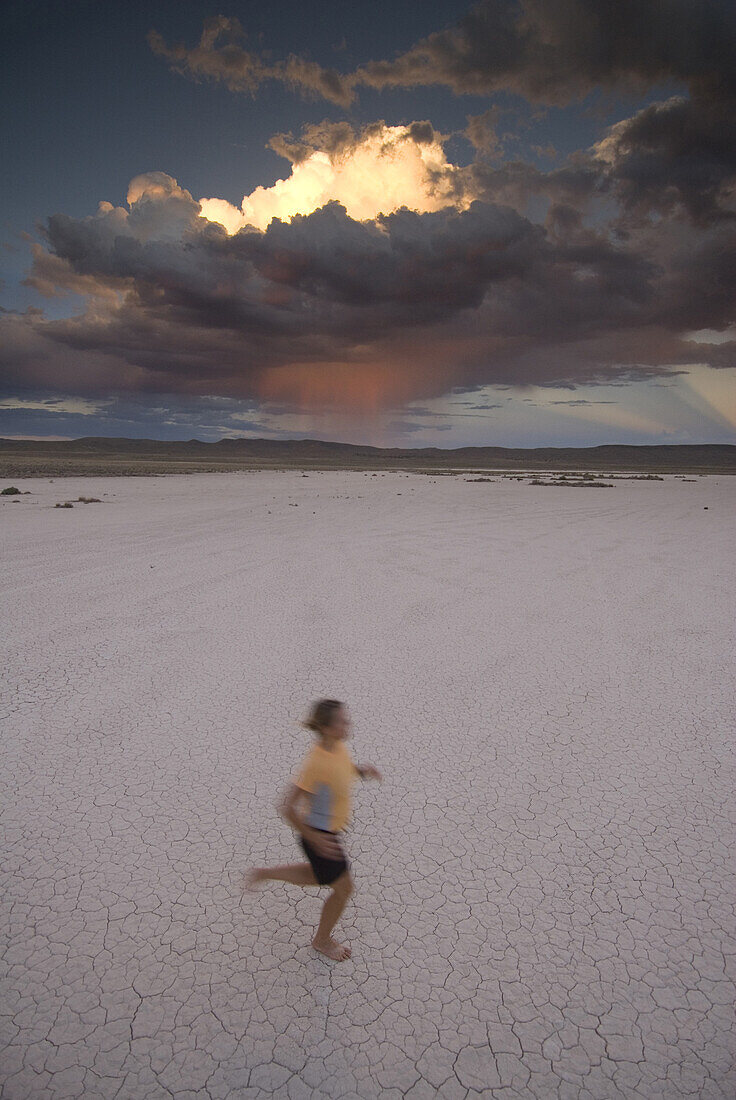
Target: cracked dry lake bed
{"points": [[544, 900]]}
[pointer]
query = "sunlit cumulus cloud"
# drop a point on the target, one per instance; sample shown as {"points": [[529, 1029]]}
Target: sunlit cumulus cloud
{"points": [[372, 172]]}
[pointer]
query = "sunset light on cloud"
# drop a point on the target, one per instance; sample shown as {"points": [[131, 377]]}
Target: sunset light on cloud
{"points": [[512, 199], [381, 171]]}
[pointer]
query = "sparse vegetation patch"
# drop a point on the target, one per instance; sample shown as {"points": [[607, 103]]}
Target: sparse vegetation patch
{"points": [[575, 484]]}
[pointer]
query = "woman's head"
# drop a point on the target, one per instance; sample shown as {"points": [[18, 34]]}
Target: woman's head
{"points": [[328, 717]]}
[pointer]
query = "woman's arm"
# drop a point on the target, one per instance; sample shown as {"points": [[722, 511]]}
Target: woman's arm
{"points": [[291, 809]]}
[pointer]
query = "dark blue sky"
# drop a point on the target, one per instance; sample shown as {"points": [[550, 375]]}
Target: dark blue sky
{"points": [[89, 106]]}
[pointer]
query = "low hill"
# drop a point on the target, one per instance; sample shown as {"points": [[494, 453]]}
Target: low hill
{"points": [[102, 455]]}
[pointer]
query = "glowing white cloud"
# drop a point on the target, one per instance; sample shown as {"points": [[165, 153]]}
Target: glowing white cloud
{"points": [[380, 172]]}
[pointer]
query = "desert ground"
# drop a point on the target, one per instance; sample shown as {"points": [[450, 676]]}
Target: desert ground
{"points": [[545, 901]]}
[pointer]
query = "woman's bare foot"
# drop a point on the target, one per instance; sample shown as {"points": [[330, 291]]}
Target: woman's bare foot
{"points": [[252, 877], [332, 949]]}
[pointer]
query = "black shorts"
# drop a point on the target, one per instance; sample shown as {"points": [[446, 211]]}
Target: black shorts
{"points": [[325, 870]]}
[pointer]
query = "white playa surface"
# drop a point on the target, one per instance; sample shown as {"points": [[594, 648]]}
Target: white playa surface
{"points": [[545, 879]]}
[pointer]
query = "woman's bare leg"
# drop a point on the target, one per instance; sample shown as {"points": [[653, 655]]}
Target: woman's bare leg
{"points": [[342, 888], [299, 874]]}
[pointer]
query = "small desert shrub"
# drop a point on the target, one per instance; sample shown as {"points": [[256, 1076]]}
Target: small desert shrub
{"points": [[585, 483], [89, 500], [66, 504], [11, 491]]}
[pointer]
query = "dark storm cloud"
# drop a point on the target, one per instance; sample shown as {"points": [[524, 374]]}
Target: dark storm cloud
{"points": [[548, 51], [407, 269], [482, 295], [679, 152], [212, 310], [554, 51]]}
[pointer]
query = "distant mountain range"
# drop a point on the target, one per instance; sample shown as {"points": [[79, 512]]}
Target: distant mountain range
{"points": [[110, 455]]}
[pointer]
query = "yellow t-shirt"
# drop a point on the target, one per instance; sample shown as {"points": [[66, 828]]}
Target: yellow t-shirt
{"points": [[327, 774]]}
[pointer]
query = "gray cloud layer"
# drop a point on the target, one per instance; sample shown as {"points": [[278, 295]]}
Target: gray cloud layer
{"points": [[554, 51], [496, 297], [548, 51]]}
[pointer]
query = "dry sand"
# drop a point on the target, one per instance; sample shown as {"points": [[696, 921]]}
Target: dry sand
{"points": [[545, 894]]}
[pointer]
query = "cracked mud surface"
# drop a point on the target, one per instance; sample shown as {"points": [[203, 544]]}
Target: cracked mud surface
{"points": [[544, 900]]}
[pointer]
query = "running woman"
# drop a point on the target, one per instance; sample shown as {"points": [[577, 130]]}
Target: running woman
{"points": [[317, 805]]}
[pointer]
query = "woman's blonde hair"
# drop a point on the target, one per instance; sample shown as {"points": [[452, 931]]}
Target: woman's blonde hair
{"points": [[321, 714]]}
